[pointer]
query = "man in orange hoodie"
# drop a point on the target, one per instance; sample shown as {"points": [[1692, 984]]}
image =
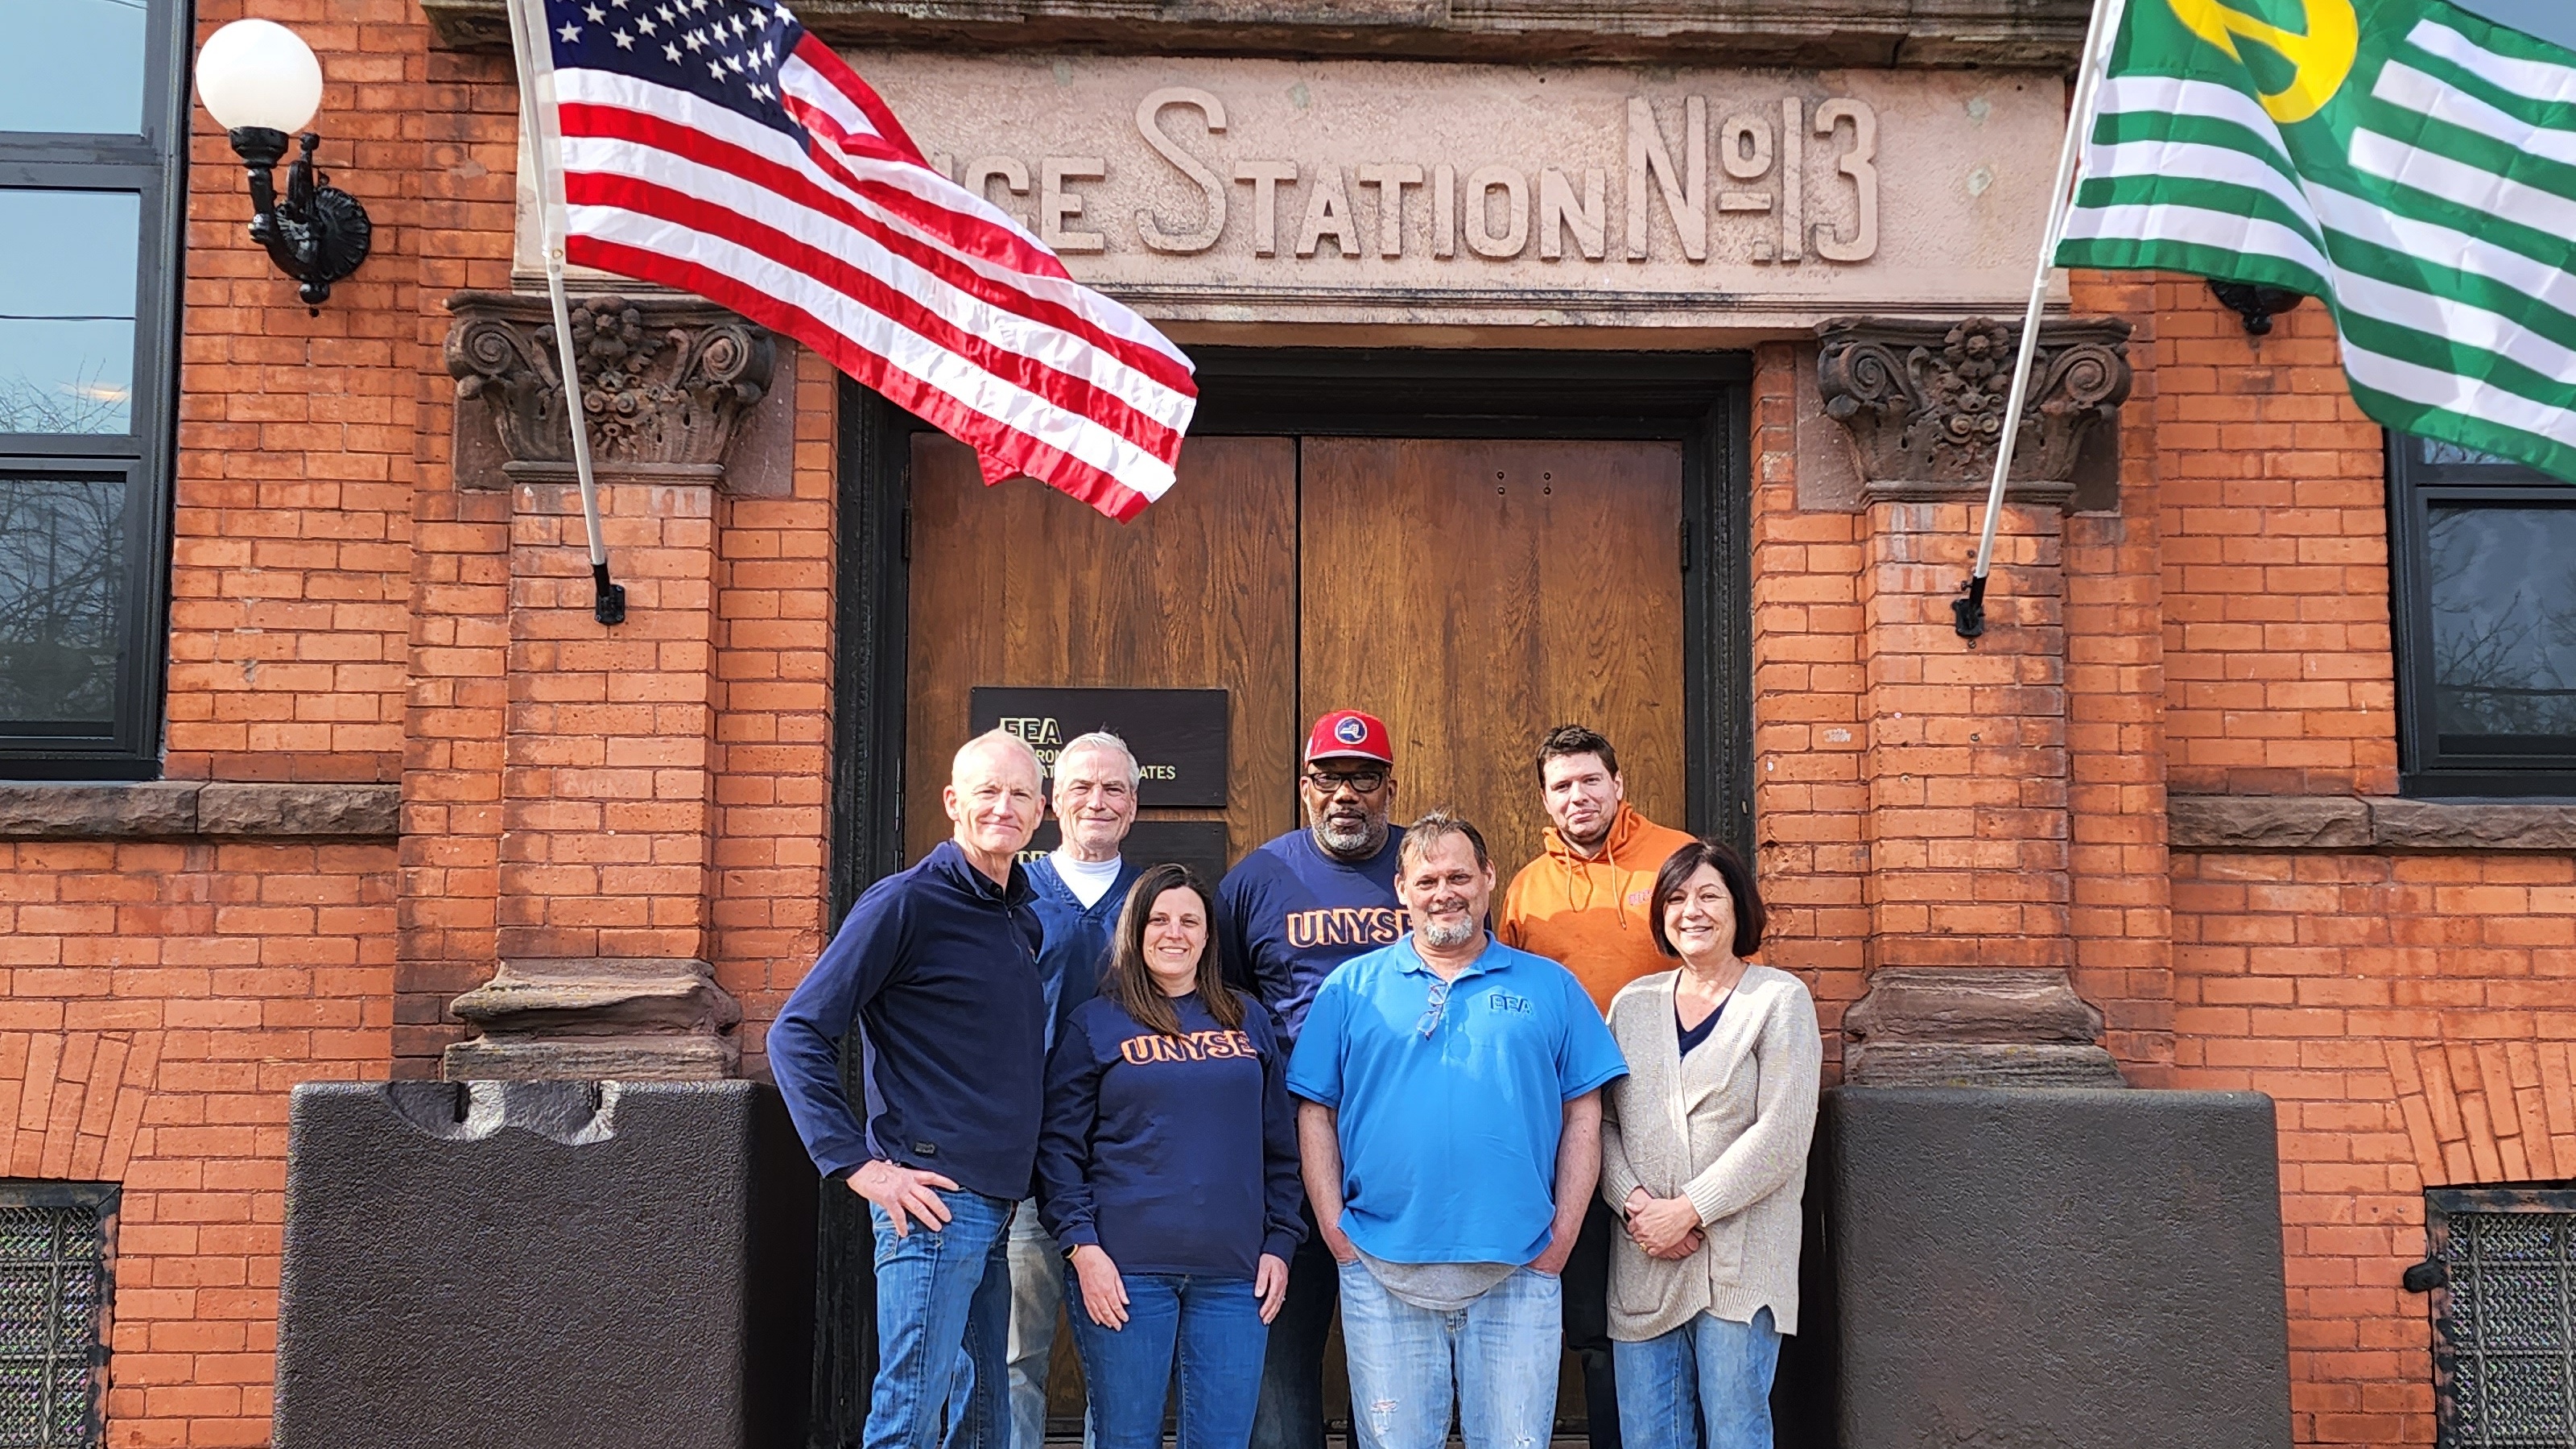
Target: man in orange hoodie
{"points": [[1583, 904]]}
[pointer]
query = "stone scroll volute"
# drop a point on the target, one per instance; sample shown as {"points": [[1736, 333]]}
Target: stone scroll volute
{"points": [[667, 382], [1923, 401]]}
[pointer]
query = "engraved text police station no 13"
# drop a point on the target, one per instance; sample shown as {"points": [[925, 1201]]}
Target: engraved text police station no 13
{"points": [[1691, 173]]}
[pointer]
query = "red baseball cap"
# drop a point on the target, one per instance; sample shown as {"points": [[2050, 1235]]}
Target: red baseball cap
{"points": [[1347, 733]]}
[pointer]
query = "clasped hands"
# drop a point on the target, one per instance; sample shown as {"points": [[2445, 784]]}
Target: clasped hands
{"points": [[1662, 1227]]}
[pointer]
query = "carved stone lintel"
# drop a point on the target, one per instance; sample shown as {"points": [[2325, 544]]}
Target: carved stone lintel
{"points": [[2016, 34], [1924, 401], [621, 1019], [1946, 1026], [665, 382]]}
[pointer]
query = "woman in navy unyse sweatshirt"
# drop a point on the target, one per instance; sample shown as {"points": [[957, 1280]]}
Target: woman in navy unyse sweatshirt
{"points": [[1167, 1169]]}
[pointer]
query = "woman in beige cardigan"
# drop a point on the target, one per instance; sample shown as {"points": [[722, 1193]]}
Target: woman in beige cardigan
{"points": [[1704, 1154]]}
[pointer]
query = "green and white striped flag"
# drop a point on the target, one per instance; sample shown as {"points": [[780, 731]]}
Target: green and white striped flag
{"points": [[2410, 164]]}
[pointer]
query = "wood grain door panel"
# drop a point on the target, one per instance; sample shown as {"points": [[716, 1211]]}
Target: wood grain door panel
{"points": [[1475, 593], [1021, 585]]}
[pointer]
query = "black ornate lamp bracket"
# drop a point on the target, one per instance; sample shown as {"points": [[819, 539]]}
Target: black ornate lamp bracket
{"points": [[2258, 305], [317, 234]]}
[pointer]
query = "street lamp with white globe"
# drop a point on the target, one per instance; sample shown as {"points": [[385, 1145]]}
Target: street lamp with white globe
{"points": [[261, 82]]}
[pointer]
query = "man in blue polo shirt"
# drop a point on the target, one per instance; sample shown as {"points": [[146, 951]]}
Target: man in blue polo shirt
{"points": [[1451, 1134]]}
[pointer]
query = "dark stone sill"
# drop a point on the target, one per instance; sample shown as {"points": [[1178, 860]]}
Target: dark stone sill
{"points": [[185, 809], [2374, 825], [193, 809]]}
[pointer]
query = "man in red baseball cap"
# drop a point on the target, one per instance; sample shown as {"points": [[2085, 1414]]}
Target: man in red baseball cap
{"points": [[1294, 910]]}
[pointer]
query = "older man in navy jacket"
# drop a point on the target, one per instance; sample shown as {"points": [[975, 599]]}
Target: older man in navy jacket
{"points": [[936, 971]]}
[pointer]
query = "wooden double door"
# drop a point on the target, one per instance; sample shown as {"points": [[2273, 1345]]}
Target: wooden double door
{"points": [[1471, 593]]}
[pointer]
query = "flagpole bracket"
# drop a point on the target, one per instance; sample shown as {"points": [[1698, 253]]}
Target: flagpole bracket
{"points": [[1968, 611], [608, 603], [2258, 305]]}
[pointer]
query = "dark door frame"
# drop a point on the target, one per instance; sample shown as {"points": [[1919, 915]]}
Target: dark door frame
{"points": [[1700, 400]]}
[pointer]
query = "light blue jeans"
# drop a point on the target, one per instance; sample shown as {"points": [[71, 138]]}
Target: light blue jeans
{"points": [[1704, 1385], [1037, 1296], [927, 1282], [1495, 1360]]}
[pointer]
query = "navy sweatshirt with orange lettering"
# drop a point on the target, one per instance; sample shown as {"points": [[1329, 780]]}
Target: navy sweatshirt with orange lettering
{"points": [[1289, 913], [1172, 1154]]}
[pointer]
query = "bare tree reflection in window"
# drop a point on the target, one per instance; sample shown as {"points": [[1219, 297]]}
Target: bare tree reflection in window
{"points": [[94, 404], [62, 562], [2504, 620]]}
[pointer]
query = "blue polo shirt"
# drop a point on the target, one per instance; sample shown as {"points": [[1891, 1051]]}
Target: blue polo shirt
{"points": [[1449, 1135]]}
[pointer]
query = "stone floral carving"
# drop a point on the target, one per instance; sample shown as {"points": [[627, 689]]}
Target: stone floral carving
{"points": [[1924, 401], [665, 381]]}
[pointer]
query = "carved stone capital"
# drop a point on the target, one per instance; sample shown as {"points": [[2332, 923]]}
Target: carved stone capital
{"points": [[665, 382], [1924, 401], [1952, 1026], [621, 1019]]}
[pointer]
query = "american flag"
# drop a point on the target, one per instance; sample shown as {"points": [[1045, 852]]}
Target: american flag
{"points": [[717, 147]]}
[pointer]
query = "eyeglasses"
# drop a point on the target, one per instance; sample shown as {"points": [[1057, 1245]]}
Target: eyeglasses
{"points": [[1366, 782], [1439, 1008]]}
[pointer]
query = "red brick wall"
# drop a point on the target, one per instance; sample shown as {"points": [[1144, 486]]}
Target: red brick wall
{"points": [[2275, 544], [2411, 1016], [773, 729], [298, 437], [157, 1003], [1809, 736]]}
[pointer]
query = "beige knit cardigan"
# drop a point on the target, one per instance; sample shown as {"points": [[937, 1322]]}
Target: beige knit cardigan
{"points": [[1727, 1127]]}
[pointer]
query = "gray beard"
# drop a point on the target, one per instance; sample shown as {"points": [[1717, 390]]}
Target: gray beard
{"points": [[1356, 841], [1445, 937]]}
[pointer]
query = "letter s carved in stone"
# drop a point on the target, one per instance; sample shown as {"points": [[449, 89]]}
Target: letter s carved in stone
{"points": [[1148, 125]]}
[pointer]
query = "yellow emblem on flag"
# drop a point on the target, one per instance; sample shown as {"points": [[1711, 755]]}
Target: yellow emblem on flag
{"points": [[2321, 58]]}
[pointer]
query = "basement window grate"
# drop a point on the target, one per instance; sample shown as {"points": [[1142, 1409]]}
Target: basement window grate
{"points": [[2503, 1274], [56, 1243]]}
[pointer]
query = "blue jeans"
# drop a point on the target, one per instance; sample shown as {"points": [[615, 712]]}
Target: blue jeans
{"points": [[1037, 1293], [1496, 1360], [1215, 1323], [927, 1283], [1706, 1383], [1292, 1371]]}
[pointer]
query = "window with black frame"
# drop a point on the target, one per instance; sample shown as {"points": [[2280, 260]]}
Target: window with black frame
{"points": [[2485, 611], [91, 153]]}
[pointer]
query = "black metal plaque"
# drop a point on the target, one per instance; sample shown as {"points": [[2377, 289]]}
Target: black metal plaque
{"points": [[1198, 844], [1179, 735]]}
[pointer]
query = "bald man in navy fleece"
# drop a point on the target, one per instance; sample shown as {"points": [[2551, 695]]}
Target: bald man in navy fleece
{"points": [[936, 972]]}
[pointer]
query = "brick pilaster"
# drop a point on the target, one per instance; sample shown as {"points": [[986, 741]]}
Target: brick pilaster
{"points": [[607, 791], [1967, 764]]}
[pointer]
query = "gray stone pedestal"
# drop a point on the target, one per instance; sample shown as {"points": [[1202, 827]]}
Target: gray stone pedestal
{"points": [[545, 1265], [2044, 1268]]}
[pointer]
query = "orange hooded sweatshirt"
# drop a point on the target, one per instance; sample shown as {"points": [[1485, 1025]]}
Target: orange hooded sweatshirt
{"points": [[1591, 914]]}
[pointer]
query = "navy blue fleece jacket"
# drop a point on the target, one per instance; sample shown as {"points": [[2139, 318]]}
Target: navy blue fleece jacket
{"points": [[936, 968]]}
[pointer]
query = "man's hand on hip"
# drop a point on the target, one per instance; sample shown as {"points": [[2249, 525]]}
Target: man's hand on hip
{"points": [[905, 1193]]}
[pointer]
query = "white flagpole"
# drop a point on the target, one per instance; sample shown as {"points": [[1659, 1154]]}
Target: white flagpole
{"points": [[537, 122], [1970, 611]]}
